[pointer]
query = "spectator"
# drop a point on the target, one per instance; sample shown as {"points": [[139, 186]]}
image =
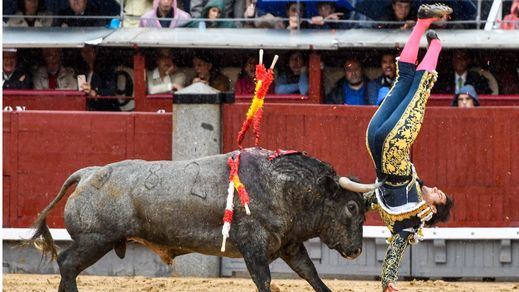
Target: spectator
{"points": [[295, 16], [230, 9], [466, 97], [165, 9], [100, 81], [165, 78], [401, 12], [511, 21], [451, 83], [134, 9], [327, 16], [245, 83], [295, 79], [53, 75], [80, 8], [207, 72], [352, 88], [212, 11], [14, 76], [30, 8], [379, 87]]}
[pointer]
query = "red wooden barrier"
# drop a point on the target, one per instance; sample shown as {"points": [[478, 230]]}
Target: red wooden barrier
{"points": [[471, 154], [45, 99], [484, 100], [41, 149]]}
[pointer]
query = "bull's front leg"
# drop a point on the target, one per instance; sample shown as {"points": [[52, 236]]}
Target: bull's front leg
{"points": [[296, 256], [254, 251]]}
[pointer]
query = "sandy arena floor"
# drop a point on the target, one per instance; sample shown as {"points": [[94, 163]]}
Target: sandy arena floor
{"points": [[26, 283]]}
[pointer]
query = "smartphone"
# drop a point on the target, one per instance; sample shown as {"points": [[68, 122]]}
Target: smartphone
{"points": [[81, 79]]}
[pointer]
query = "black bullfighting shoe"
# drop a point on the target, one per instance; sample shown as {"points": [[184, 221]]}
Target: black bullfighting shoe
{"points": [[431, 35], [433, 11]]}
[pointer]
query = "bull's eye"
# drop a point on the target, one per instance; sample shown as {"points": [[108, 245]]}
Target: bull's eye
{"points": [[352, 208]]}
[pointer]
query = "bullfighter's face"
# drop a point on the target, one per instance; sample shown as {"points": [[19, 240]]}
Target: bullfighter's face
{"points": [[433, 197]]}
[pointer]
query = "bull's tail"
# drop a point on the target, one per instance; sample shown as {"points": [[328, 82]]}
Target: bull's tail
{"points": [[42, 239]]}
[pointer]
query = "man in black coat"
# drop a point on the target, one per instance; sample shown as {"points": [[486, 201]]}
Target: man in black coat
{"points": [[452, 82], [13, 76]]}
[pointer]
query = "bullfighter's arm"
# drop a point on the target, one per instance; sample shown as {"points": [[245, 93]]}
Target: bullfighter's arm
{"points": [[393, 258]]}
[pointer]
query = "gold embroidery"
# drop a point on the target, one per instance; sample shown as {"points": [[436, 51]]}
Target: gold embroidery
{"points": [[392, 259], [390, 219], [395, 153]]}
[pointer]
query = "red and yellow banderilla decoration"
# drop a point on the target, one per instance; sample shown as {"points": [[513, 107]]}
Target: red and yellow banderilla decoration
{"points": [[264, 78]]}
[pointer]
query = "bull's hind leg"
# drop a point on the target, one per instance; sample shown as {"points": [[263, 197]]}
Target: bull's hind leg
{"points": [[84, 251]]}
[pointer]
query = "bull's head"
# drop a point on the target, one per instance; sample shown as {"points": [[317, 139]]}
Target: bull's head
{"points": [[343, 217]]}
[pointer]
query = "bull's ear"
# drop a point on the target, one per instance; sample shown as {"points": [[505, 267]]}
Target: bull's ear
{"points": [[329, 184]]}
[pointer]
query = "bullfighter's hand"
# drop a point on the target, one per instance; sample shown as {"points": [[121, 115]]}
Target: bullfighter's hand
{"points": [[391, 287]]}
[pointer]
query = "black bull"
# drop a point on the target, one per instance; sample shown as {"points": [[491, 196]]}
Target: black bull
{"points": [[176, 208]]}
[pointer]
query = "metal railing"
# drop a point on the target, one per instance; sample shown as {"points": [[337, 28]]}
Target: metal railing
{"points": [[492, 21]]}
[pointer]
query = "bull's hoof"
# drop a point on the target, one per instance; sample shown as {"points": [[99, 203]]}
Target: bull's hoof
{"points": [[433, 11]]}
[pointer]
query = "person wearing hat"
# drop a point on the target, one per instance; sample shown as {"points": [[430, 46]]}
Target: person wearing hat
{"points": [[466, 97], [14, 76]]}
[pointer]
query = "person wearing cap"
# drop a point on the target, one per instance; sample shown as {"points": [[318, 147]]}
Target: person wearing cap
{"points": [[14, 76], [466, 97], [404, 203], [165, 78]]}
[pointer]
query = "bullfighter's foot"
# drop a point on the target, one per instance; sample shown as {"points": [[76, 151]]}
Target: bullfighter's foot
{"points": [[433, 11], [431, 35]]}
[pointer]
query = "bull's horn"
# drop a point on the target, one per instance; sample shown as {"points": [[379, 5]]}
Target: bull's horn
{"points": [[348, 184]]}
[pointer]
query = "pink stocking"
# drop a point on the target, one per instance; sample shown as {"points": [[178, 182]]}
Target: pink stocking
{"points": [[431, 57], [410, 52]]}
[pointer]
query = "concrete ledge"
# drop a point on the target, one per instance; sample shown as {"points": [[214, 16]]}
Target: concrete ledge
{"points": [[465, 233]]}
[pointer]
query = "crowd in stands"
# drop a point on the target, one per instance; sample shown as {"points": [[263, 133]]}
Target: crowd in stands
{"points": [[339, 14], [352, 83]]}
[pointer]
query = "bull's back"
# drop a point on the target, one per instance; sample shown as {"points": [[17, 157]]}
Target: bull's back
{"points": [[160, 200]]}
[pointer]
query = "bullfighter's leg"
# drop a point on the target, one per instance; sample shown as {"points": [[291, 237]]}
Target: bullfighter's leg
{"points": [[297, 258], [84, 251]]}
